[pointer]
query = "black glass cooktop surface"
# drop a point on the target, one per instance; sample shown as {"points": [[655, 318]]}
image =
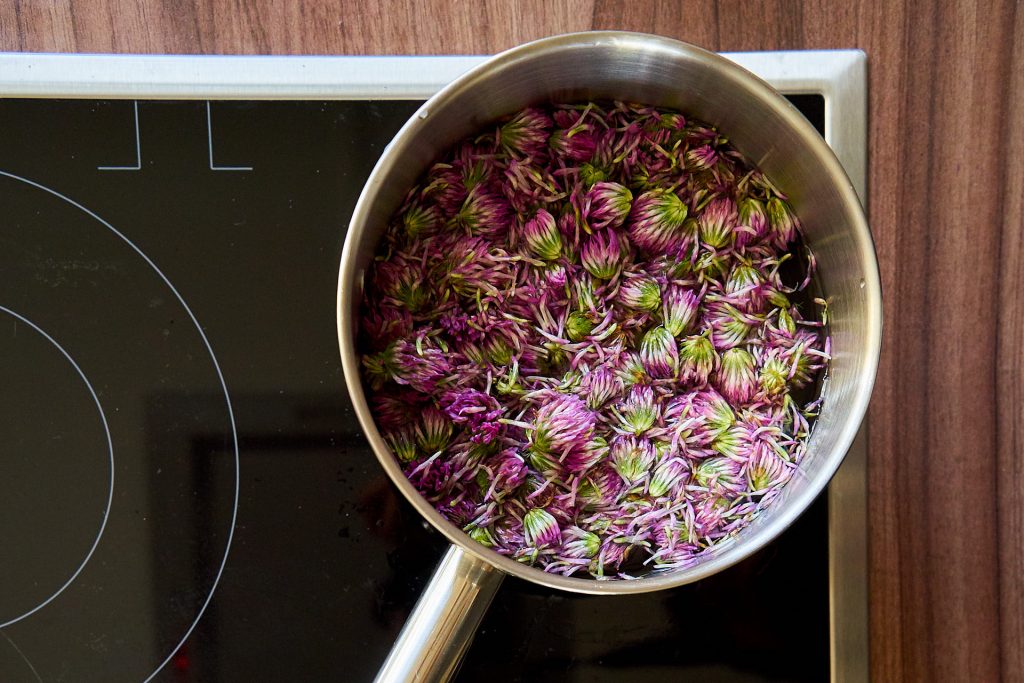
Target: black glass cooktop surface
{"points": [[185, 494]]}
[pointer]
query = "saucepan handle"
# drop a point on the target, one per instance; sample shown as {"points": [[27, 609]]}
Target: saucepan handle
{"points": [[442, 624]]}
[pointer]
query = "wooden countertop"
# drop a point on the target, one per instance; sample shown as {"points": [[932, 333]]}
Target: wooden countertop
{"points": [[946, 203]]}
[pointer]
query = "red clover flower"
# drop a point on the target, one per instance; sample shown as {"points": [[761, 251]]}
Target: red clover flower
{"points": [[632, 458], [766, 470], [577, 144], [526, 133], [508, 472], [697, 359], [638, 412], [773, 375], [680, 309], [444, 187], [401, 282], [753, 222], [720, 474], [641, 293], [782, 221], [601, 386], [477, 411], [608, 205], [600, 488], [542, 237], [718, 223], [747, 281], [541, 528], [702, 158], [601, 255], [485, 213], [729, 326], [422, 369], [581, 543], [735, 379], [656, 222], [659, 353], [561, 423], [667, 476], [402, 444], [433, 431]]}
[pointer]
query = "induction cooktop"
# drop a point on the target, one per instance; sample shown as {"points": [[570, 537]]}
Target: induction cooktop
{"points": [[185, 493]]}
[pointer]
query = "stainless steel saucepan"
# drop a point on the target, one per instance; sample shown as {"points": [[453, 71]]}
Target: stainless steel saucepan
{"points": [[768, 131]]}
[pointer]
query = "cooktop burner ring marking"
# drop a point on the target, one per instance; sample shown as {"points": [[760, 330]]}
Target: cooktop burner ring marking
{"points": [[110, 449], [220, 377]]}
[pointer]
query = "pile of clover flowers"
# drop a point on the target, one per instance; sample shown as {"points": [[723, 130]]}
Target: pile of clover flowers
{"points": [[579, 342]]}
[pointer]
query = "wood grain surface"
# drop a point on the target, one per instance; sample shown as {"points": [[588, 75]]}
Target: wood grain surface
{"points": [[946, 203]]}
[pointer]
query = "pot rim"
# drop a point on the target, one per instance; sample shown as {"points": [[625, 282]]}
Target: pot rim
{"points": [[730, 551]]}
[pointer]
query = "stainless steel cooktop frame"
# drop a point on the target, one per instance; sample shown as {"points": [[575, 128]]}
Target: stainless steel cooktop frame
{"points": [[838, 75]]}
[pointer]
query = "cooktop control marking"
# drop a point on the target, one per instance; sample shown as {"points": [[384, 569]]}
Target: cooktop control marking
{"points": [[110, 449], [209, 138], [138, 147]]}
